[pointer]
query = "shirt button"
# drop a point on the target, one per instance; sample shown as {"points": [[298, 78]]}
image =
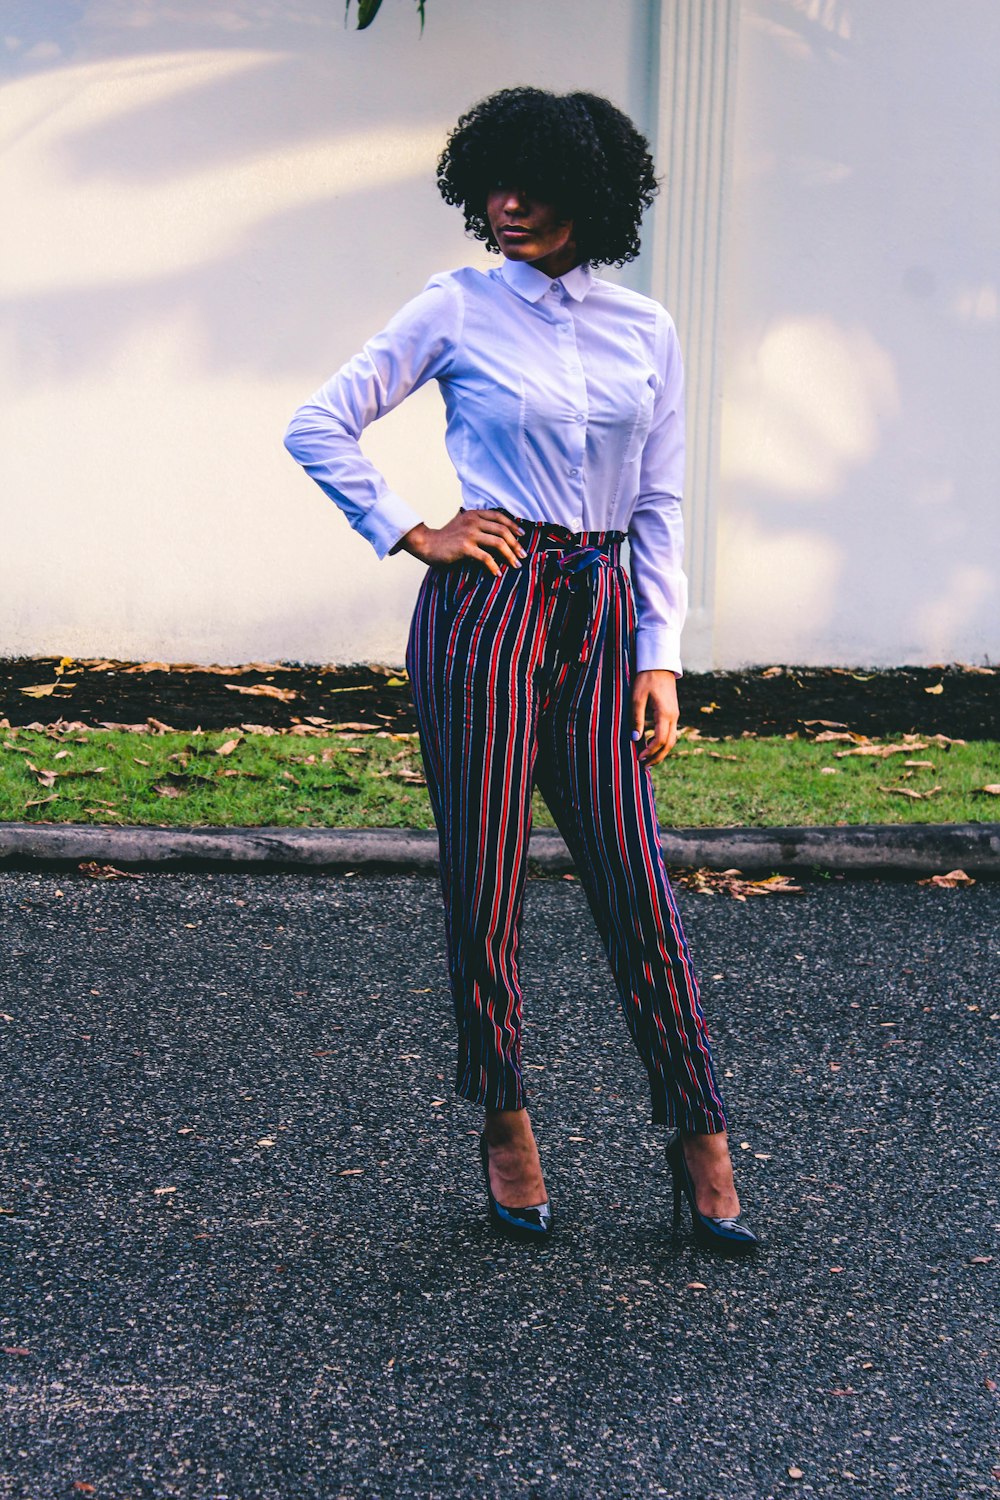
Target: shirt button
{"points": [[573, 473], [579, 417]]}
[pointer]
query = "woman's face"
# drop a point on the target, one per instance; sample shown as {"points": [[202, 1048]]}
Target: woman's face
{"points": [[527, 229]]}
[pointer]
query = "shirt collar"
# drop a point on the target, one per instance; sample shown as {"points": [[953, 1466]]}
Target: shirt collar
{"points": [[531, 284]]}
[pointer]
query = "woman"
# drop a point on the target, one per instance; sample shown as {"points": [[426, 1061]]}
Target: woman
{"points": [[533, 658]]}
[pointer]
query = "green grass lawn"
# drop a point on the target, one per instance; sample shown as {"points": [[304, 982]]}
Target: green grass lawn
{"points": [[376, 780]]}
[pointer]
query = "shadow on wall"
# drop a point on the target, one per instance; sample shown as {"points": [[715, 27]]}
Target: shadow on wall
{"points": [[163, 298], [859, 455], [115, 229]]}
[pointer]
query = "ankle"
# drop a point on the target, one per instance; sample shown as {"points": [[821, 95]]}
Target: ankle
{"points": [[507, 1126]]}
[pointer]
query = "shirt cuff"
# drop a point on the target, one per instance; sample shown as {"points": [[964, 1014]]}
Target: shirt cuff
{"points": [[387, 521], [658, 648]]}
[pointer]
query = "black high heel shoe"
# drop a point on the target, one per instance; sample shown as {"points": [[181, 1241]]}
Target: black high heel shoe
{"points": [[525, 1224], [724, 1236]]}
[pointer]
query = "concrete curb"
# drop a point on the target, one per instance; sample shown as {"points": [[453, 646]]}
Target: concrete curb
{"points": [[867, 849]]}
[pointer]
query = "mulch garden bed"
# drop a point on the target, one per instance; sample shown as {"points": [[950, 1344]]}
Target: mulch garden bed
{"points": [[960, 701]]}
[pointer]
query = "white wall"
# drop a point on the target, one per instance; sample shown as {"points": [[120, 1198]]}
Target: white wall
{"points": [[217, 203], [858, 515]]}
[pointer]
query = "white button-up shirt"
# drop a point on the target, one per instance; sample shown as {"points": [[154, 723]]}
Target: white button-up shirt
{"points": [[564, 402]]}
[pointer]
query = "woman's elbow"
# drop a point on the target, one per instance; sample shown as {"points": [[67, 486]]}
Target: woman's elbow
{"points": [[313, 429], [295, 434]]}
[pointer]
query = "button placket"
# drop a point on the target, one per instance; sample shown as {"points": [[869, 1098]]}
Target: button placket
{"points": [[574, 387]]}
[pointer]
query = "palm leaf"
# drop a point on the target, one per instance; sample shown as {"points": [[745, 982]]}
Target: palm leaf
{"points": [[369, 9]]}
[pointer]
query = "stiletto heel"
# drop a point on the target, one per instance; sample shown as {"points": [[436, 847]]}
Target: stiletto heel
{"points": [[724, 1236], [677, 1208], [525, 1224]]}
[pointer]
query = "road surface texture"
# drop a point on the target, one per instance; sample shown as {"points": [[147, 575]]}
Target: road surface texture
{"points": [[247, 1249]]}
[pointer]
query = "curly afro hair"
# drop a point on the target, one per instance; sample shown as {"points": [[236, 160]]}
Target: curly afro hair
{"points": [[576, 151]]}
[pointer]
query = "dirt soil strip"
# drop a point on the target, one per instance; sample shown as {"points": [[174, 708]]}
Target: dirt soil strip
{"points": [[960, 701]]}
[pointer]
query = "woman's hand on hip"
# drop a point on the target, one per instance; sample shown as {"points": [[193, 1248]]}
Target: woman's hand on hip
{"points": [[468, 534], [655, 691]]}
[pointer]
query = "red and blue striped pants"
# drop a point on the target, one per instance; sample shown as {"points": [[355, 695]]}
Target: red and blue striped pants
{"points": [[523, 680]]}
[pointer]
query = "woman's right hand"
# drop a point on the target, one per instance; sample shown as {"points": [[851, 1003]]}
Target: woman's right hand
{"points": [[467, 534]]}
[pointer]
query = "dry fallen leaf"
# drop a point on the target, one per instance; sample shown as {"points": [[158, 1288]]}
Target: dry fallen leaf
{"points": [[794, 1472], [351, 1172], [47, 779], [105, 872], [938, 688], [696, 1286], [993, 790], [164, 789], [81, 1484], [772, 671], [266, 1140], [879, 750], [229, 746], [14, 1349], [158, 1191], [906, 791], [46, 689], [262, 690], [734, 883], [950, 881]]}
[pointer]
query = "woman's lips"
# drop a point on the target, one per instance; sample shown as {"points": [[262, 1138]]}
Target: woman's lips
{"points": [[510, 233]]}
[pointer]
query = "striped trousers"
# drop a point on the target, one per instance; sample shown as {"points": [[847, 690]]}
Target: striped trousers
{"points": [[523, 680]]}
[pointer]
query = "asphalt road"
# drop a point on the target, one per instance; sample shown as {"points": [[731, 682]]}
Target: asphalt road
{"points": [[247, 1251]]}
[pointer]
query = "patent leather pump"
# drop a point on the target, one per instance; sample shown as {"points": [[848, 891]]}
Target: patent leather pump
{"points": [[724, 1236], [532, 1224]]}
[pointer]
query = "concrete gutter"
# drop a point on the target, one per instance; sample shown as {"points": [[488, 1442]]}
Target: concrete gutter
{"points": [[867, 849]]}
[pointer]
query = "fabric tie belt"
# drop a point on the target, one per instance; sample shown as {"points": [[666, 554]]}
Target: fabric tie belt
{"points": [[573, 555]]}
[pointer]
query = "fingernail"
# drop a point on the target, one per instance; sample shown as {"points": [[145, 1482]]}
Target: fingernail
{"points": [[636, 734]]}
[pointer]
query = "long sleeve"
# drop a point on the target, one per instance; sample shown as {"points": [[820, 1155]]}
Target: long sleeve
{"points": [[323, 435], [656, 529]]}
